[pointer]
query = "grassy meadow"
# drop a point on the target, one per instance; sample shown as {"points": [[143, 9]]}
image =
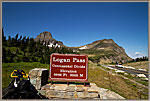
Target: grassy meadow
{"points": [[7, 69], [116, 83], [138, 65], [96, 75]]}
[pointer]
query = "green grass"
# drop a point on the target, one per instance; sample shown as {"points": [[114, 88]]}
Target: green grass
{"points": [[124, 87], [96, 75], [7, 69], [138, 65], [137, 79], [100, 53]]}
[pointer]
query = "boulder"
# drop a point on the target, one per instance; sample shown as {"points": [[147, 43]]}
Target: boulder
{"points": [[38, 77]]}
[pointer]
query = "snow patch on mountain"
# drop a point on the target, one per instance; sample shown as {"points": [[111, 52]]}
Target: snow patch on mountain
{"points": [[84, 47]]}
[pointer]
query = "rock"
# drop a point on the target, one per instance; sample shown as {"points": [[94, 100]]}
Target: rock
{"points": [[62, 93], [52, 87], [79, 89], [59, 94], [81, 94], [75, 95], [113, 95], [69, 95], [44, 36], [48, 39], [92, 84], [92, 95], [46, 87], [70, 89], [38, 77], [87, 95], [42, 92], [93, 88], [60, 87], [80, 86], [33, 81], [39, 73], [33, 73], [38, 84], [52, 94], [107, 94], [72, 85]]}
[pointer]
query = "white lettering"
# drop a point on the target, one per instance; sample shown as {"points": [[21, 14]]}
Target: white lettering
{"points": [[78, 60], [55, 74], [77, 66], [62, 66], [68, 71], [81, 75], [74, 75], [64, 74], [60, 60]]}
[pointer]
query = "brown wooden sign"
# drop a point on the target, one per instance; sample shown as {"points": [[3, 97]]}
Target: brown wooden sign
{"points": [[68, 67]]}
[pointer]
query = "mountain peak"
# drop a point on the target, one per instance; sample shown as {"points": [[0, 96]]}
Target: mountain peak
{"points": [[103, 50], [105, 41], [47, 37], [46, 34]]}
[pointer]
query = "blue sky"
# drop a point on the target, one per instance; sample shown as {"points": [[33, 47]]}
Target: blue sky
{"points": [[80, 23]]}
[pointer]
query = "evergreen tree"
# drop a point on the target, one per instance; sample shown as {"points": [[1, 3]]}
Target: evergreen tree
{"points": [[19, 41], [4, 54], [25, 59], [9, 55], [27, 41], [42, 60], [9, 41], [16, 41], [3, 38], [20, 37], [23, 45], [31, 50], [17, 51], [32, 46], [12, 42]]}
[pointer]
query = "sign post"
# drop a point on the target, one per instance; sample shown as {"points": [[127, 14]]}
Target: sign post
{"points": [[68, 67]]}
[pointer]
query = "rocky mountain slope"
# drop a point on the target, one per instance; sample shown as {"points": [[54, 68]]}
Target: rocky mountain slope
{"points": [[104, 51], [47, 37]]}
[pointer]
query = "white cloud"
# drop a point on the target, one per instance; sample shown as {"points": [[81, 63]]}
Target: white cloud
{"points": [[136, 55]]}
